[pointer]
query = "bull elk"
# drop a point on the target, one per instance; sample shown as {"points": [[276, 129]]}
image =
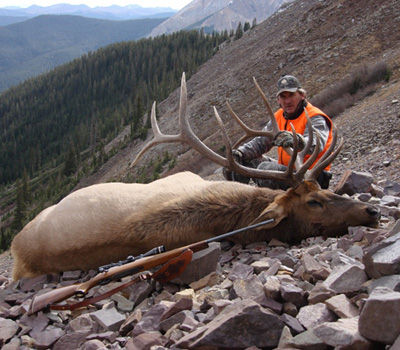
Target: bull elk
{"points": [[106, 222]]}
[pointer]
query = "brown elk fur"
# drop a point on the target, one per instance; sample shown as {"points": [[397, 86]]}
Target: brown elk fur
{"points": [[107, 222]]}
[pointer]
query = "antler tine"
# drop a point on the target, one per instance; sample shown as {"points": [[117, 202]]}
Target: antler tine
{"points": [[327, 158], [310, 137], [159, 137], [249, 132], [293, 155], [186, 134], [183, 120], [300, 173], [275, 127], [225, 138], [232, 164], [331, 146]]}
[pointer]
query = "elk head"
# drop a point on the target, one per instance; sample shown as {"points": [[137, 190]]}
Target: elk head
{"points": [[304, 208]]}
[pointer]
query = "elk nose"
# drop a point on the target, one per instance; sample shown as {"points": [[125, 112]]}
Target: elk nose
{"points": [[374, 212]]}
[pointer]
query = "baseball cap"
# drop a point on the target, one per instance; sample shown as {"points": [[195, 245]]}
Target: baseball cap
{"points": [[288, 83]]}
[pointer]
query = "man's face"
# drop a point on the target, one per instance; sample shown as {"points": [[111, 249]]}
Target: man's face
{"points": [[289, 101]]}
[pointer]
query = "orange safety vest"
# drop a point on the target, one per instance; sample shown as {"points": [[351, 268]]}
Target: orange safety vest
{"points": [[299, 125]]}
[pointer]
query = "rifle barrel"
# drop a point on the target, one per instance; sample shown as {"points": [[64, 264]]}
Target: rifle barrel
{"points": [[156, 250], [231, 233]]}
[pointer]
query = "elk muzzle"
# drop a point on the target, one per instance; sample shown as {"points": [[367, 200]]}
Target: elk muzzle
{"points": [[357, 213], [374, 213]]}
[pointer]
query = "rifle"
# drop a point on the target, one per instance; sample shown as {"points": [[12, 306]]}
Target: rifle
{"points": [[173, 264]]}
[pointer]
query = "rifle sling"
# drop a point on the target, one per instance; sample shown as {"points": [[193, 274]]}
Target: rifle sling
{"points": [[97, 298], [170, 270]]}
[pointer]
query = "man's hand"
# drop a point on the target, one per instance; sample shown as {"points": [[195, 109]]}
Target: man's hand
{"points": [[285, 139], [237, 155], [232, 176]]}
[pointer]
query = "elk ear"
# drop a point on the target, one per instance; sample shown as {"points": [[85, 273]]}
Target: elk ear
{"points": [[273, 211]]}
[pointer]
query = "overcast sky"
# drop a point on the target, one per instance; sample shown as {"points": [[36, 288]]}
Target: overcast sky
{"points": [[175, 4]]}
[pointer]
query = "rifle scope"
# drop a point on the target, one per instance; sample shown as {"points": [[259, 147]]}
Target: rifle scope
{"points": [[130, 258]]}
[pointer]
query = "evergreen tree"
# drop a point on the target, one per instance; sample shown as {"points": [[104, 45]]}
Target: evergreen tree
{"points": [[246, 26], [139, 111], [71, 164], [26, 191], [5, 238], [239, 31], [19, 213]]}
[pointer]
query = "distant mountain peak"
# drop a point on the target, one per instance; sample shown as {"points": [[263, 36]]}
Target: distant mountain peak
{"points": [[218, 14]]}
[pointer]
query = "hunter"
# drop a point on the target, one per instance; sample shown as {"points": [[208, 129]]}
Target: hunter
{"points": [[292, 99]]}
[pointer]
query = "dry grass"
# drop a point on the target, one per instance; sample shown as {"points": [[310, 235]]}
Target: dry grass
{"points": [[360, 83]]}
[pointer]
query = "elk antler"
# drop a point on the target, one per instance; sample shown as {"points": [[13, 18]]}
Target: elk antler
{"points": [[187, 136], [327, 158], [251, 132]]}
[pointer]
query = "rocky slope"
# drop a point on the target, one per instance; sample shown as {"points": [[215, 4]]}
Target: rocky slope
{"points": [[319, 294]]}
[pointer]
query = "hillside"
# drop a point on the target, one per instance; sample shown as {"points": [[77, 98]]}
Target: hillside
{"points": [[328, 42], [86, 102], [218, 15], [6, 20], [39, 44]]}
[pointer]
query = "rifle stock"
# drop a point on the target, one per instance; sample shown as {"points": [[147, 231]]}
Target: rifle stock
{"points": [[42, 301], [80, 289]]}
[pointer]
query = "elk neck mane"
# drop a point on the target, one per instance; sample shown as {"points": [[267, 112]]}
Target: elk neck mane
{"points": [[219, 207]]}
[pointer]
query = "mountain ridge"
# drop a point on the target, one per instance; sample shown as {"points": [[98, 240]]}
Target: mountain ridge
{"points": [[29, 48], [218, 15], [113, 12]]}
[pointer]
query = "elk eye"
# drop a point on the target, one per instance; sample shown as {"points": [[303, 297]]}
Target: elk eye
{"points": [[313, 203]]}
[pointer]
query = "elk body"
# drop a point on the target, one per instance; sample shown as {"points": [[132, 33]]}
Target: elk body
{"points": [[107, 222]]}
